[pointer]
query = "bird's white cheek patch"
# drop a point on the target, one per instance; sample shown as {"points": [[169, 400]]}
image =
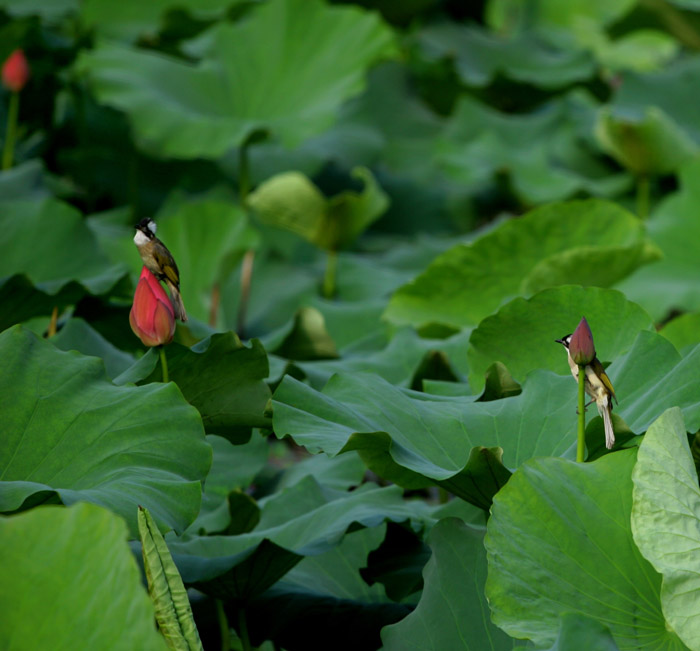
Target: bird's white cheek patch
{"points": [[140, 239]]}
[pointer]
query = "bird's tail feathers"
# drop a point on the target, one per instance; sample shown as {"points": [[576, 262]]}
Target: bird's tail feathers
{"points": [[605, 412], [178, 305]]}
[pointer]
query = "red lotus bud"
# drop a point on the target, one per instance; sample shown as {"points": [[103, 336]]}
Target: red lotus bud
{"points": [[581, 347], [15, 71], [152, 318]]}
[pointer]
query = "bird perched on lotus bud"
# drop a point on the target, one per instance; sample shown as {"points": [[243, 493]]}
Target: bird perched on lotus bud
{"points": [[160, 262], [581, 352], [152, 317]]}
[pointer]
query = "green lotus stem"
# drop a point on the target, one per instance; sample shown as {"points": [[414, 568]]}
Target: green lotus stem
{"points": [[8, 152], [243, 631], [581, 445], [329, 275], [223, 626], [643, 197], [163, 363]]}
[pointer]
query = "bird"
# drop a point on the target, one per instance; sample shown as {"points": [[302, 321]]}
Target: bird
{"points": [[160, 262], [598, 386]]}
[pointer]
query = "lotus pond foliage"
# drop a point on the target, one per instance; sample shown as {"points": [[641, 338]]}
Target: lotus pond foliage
{"points": [[365, 436]]}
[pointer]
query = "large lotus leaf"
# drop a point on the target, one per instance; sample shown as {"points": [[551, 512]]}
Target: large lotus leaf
{"points": [[546, 153], [322, 595], [248, 80], [670, 284], [643, 50], [336, 572], [77, 334], [71, 253], [363, 283], [670, 90], [453, 612], [397, 362], [470, 281], [69, 432], [340, 473], [521, 334], [579, 631], [49, 11], [556, 17], [683, 331], [391, 111], [427, 435], [388, 122], [232, 470], [224, 380], [653, 377], [666, 520], [653, 145], [133, 19], [28, 180], [204, 236], [559, 541], [480, 55], [66, 569], [291, 201], [299, 521], [22, 300]]}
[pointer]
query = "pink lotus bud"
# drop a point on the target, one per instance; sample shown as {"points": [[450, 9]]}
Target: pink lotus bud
{"points": [[15, 71], [152, 318], [581, 347]]}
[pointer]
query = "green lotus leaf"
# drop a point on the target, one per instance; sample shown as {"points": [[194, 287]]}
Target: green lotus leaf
{"points": [[470, 281], [188, 110], [480, 55], [453, 595], [133, 20], [559, 541], [669, 285], [521, 334], [224, 380], [78, 335], [71, 254], [66, 566], [653, 145], [300, 520], [541, 152], [666, 519], [683, 331], [71, 433]]}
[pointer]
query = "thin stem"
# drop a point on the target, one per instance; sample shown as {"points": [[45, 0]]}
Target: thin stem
{"points": [[581, 446], [643, 197], [249, 257], [8, 152], [243, 631], [329, 276], [243, 174], [53, 323], [223, 626], [214, 308], [246, 277], [675, 22], [164, 364]]}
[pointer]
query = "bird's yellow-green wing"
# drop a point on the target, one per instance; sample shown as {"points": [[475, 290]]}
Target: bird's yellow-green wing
{"points": [[166, 263], [600, 372]]}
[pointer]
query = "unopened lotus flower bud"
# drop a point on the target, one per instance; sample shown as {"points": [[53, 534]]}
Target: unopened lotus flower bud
{"points": [[581, 347], [15, 71], [152, 318]]}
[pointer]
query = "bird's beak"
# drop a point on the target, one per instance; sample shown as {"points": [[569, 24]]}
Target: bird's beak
{"points": [[559, 341]]}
